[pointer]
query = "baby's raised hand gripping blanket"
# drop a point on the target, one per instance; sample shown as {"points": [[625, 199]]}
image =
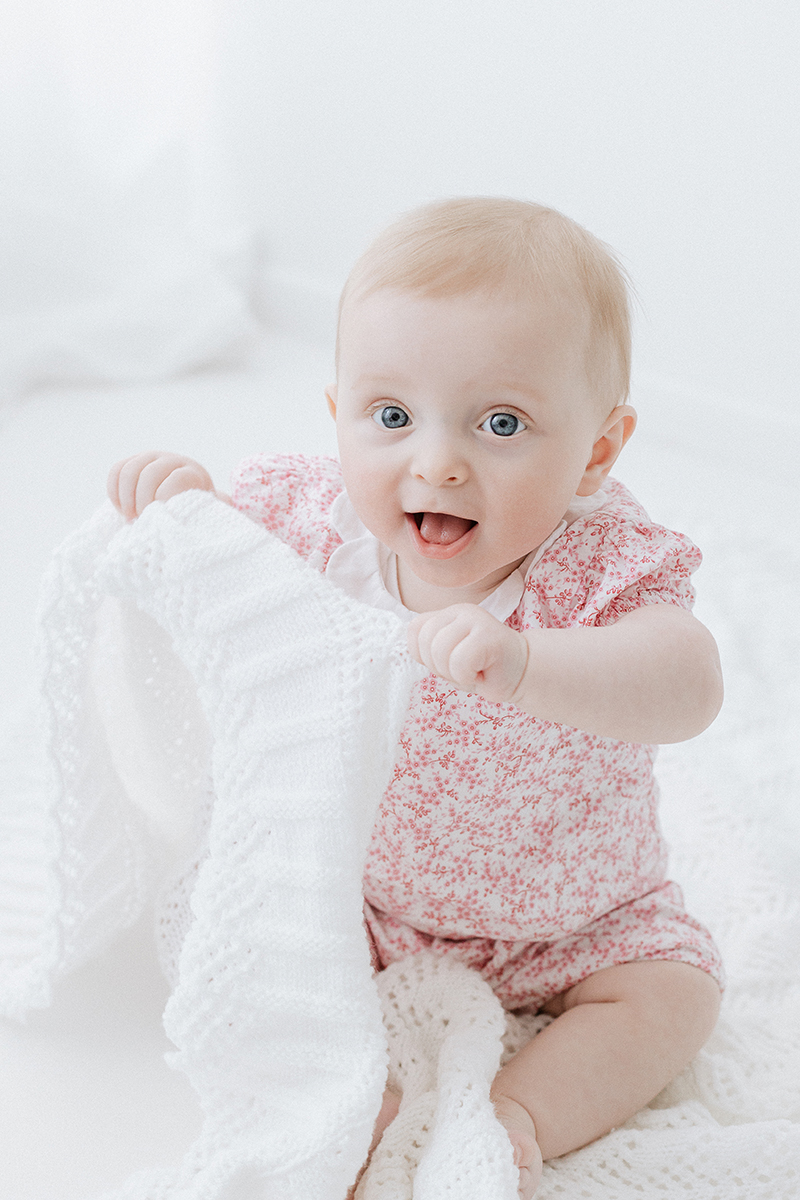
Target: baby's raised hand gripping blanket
{"points": [[237, 773]]}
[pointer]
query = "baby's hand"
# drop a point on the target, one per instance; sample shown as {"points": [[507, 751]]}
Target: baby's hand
{"points": [[471, 648], [135, 482]]}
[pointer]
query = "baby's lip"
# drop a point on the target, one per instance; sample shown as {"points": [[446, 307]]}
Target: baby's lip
{"points": [[439, 540]]}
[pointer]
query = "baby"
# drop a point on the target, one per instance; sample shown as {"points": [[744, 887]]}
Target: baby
{"points": [[480, 403]]}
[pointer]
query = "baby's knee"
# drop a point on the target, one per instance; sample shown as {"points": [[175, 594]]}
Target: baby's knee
{"points": [[681, 995], [660, 991], [681, 1003], [672, 998]]}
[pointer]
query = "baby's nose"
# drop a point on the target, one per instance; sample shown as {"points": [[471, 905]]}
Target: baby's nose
{"points": [[439, 462]]}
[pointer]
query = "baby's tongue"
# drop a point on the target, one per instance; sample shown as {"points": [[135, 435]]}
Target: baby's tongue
{"points": [[441, 529]]}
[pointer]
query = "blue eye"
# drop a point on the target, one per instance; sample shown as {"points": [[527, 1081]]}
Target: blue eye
{"points": [[391, 417], [503, 424]]}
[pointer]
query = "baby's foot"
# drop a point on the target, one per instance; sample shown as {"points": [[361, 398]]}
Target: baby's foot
{"points": [[389, 1110], [521, 1130]]}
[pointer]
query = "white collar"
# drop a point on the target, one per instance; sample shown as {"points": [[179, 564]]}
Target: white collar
{"points": [[364, 568]]}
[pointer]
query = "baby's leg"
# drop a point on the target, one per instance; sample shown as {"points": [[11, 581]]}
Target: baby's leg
{"points": [[619, 1037]]}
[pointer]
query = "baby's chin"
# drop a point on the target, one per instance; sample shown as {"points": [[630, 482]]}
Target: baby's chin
{"points": [[427, 584]]}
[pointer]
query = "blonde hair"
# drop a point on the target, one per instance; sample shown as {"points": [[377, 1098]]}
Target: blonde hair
{"points": [[485, 244]]}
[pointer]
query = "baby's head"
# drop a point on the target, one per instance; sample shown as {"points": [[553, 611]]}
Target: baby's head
{"points": [[485, 245], [483, 361]]}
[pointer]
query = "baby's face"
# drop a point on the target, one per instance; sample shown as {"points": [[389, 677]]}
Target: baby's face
{"points": [[465, 426]]}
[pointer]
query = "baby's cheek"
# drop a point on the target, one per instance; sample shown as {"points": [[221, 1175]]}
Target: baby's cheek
{"points": [[373, 500]]}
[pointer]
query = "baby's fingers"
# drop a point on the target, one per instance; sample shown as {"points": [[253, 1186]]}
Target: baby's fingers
{"points": [[112, 483], [471, 648], [136, 482], [184, 479], [123, 479], [166, 476], [422, 631], [447, 643]]}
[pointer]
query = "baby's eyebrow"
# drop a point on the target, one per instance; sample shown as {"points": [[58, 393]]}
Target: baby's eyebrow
{"points": [[478, 384], [519, 389], [383, 381]]}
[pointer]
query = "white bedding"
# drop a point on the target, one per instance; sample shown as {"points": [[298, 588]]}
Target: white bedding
{"points": [[87, 1097]]}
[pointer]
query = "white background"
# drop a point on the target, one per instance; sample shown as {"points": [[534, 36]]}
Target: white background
{"points": [[669, 129], [146, 140]]}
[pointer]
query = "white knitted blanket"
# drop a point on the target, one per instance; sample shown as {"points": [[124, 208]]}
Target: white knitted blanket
{"points": [[238, 771]]}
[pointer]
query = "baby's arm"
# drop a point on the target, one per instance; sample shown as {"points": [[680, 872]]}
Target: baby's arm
{"points": [[135, 482], [653, 676]]}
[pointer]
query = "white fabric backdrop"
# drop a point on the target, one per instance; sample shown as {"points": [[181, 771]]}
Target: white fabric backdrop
{"points": [[157, 155], [112, 269]]}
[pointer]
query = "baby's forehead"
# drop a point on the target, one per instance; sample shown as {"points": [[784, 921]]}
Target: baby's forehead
{"points": [[526, 301], [466, 342], [395, 322]]}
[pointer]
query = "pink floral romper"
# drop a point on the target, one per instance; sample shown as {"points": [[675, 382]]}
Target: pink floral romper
{"points": [[528, 849]]}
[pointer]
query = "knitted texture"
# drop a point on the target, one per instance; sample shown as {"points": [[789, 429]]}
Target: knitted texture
{"points": [[275, 1015], [259, 731], [728, 1128], [445, 1035]]}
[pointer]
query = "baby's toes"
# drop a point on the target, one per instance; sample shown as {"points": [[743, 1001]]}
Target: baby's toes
{"points": [[522, 1134], [390, 1107], [528, 1182]]}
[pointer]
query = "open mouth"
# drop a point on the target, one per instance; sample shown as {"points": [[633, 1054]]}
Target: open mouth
{"points": [[441, 529], [440, 534]]}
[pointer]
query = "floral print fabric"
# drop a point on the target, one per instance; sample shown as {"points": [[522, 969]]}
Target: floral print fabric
{"points": [[497, 826]]}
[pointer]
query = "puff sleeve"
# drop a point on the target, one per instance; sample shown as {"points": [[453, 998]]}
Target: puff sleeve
{"points": [[291, 496], [607, 564]]}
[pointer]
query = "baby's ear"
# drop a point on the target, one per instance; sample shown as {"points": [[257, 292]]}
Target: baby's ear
{"points": [[612, 436], [330, 396]]}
